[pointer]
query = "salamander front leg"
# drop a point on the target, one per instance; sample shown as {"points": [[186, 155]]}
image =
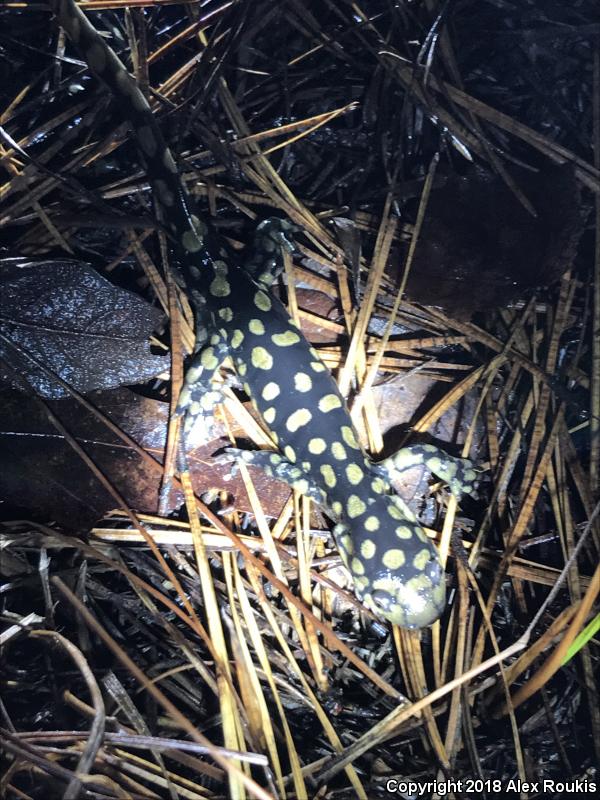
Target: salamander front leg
{"points": [[270, 239], [458, 473], [276, 466], [199, 395]]}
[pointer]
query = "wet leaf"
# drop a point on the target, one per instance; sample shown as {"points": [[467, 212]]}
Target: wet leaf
{"points": [[41, 474], [71, 320]]}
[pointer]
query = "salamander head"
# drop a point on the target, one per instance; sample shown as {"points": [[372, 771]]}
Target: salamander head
{"points": [[394, 566], [411, 602]]}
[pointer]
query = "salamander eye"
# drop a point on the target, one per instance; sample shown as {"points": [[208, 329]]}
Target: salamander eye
{"points": [[382, 599]]}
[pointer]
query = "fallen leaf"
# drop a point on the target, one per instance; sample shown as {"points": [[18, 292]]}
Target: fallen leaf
{"points": [[75, 323]]}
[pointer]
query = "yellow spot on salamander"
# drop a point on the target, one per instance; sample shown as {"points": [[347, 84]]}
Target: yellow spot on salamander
{"points": [[191, 242], [367, 549], [378, 486], [355, 506], [434, 464], [316, 446], [346, 543], [422, 558], [349, 437], [220, 287], [226, 314], [301, 486], [237, 338], [299, 418], [328, 475], [285, 339], [354, 474], [404, 532], [393, 558], [372, 523], [201, 231], [357, 567], [420, 583], [193, 374], [269, 416], [394, 512], [256, 327], [262, 300], [338, 452], [290, 453], [302, 382], [407, 458], [208, 359], [328, 402], [337, 507], [270, 391], [261, 358], [184, 397], [317, 366], [209, 400]]}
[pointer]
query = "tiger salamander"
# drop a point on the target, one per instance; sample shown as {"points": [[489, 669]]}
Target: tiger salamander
{"points": [[394, 566]]}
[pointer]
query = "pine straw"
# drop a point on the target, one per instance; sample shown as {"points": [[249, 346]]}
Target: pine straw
{"points": [[208, 660]]}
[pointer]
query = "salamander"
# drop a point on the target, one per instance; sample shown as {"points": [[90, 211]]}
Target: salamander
{"points": [[394, 566]]}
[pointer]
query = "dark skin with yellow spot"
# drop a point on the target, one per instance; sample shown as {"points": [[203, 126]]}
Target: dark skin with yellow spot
{"points": [[395, 568]]}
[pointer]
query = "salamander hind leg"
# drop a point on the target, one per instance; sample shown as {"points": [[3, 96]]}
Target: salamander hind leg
{"points": [[458, 473], [276, 466]]}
